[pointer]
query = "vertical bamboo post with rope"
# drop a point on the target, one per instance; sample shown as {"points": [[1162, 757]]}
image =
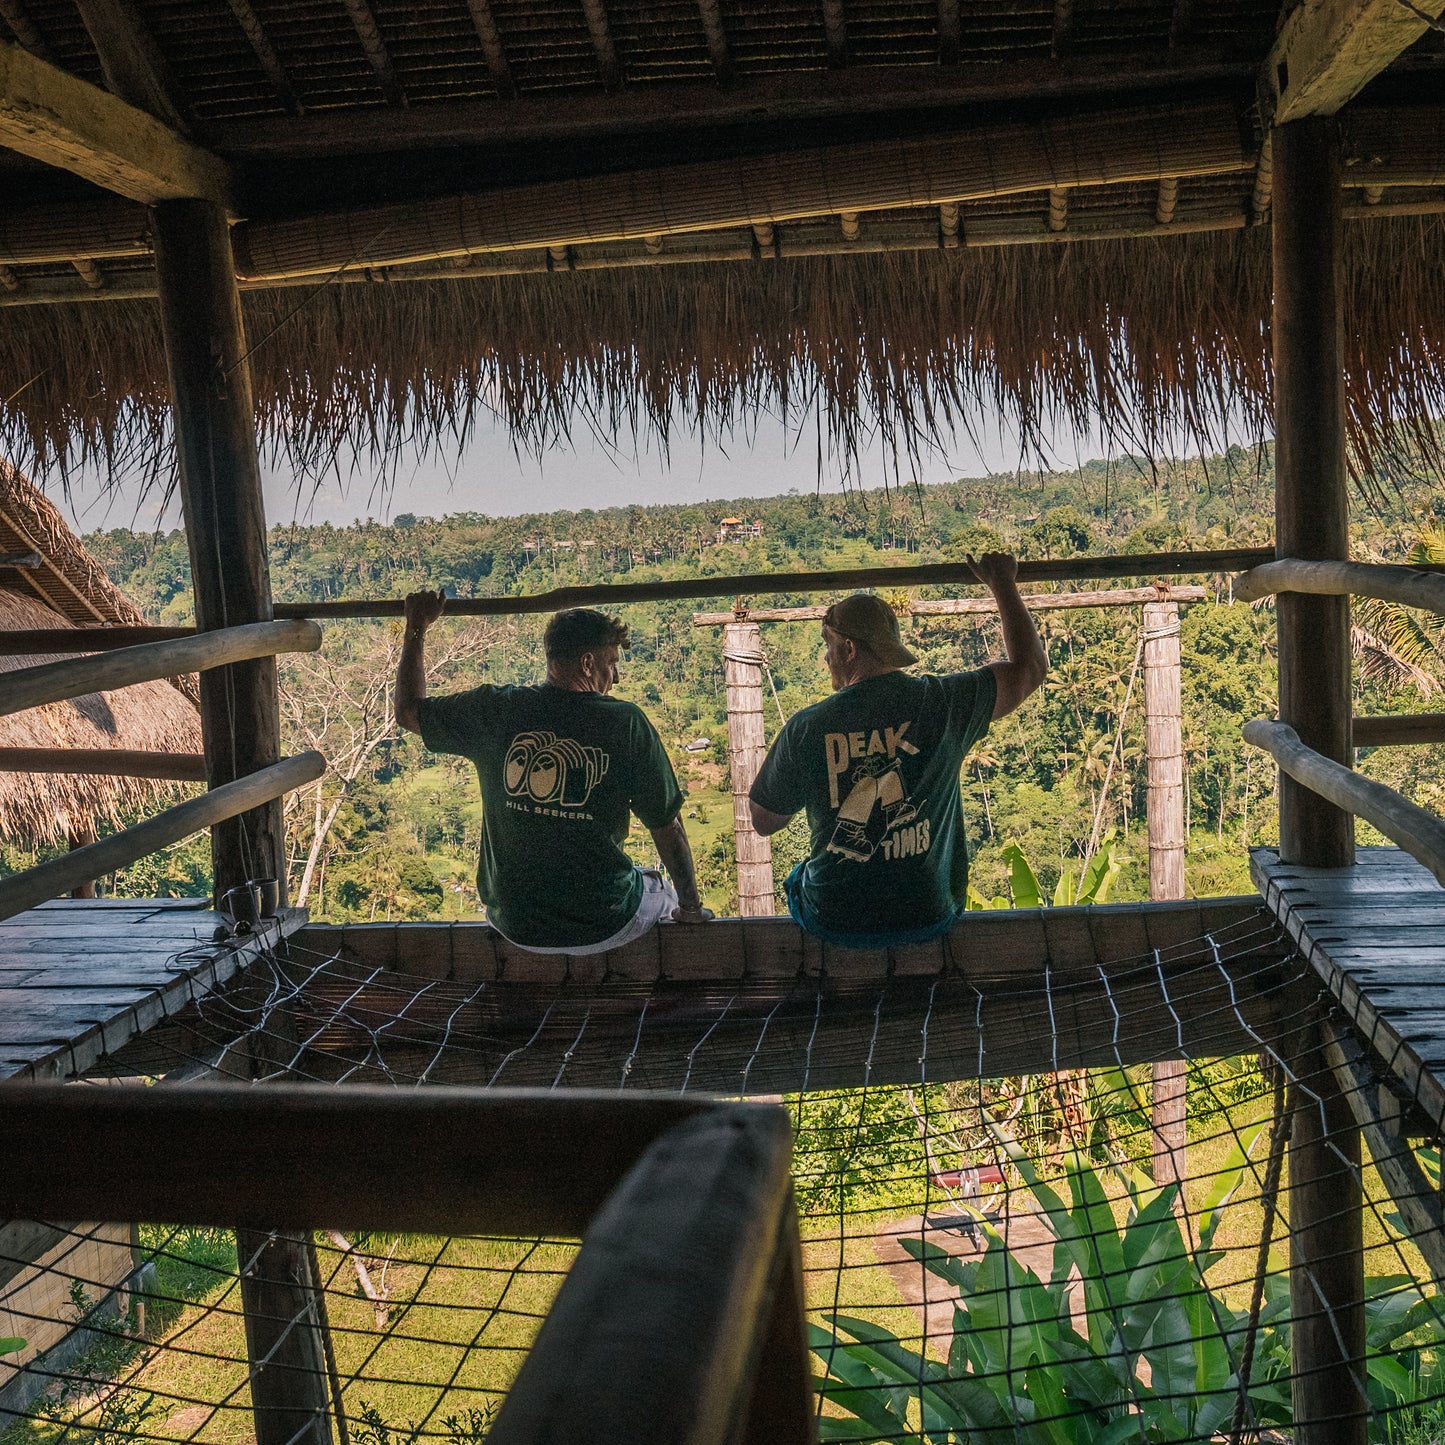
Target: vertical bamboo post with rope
{"points": [[220, 483], [1164, 754], [1327, 1273], [747, 746]]}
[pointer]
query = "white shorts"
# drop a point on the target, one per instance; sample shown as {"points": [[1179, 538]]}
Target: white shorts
{"points": [[659, 898]]}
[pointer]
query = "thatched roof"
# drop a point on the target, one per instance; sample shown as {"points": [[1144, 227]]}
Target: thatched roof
{"points": [[69, 589], [633, 214]]}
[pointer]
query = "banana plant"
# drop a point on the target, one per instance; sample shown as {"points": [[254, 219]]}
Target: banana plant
{"points": [[1152, 1356], [1098, 879]]}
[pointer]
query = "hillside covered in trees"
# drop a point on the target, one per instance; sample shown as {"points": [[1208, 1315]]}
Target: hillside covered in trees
{"points": [[391, 832]]}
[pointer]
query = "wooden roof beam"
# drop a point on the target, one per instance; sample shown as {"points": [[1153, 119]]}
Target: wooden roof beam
{"points": [[950, 32], [1058, 208], [51, 116], [1167, 200], [24, 29], [1063, 27], [755, 100], [601, 32], [485, 24], [1180, 22], [265, 54], [131, 61], [971, 164], [717, 41], [377, 55], [835, 33], [1327, 51]]}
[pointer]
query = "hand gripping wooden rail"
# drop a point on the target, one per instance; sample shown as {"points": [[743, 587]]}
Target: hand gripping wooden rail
{"points": [[680, 1322]]}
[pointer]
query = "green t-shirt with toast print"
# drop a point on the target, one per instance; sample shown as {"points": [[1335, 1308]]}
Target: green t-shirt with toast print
{"points": [[560, 771], [876, 768]]}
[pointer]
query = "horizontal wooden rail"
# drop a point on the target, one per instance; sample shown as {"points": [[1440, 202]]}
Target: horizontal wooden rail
{"points": [[1409, 586], [75, 676], [35, 641], [968, 606], [95, 860], [933, 574], [1383, 732], [106, 762], [681, 1320], [1419, 833], [438, 1161]]}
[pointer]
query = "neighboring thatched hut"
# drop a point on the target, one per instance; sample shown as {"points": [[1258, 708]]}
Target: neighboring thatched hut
{"points": [[70, 588]]}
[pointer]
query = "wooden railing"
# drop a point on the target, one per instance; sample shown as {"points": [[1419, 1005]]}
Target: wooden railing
{"points": [[681, 1320], [147, 662], [1418, 832], [150, 661]]}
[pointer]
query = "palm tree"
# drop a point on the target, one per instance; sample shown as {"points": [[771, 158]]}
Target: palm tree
{"points": [[1402, 647]]}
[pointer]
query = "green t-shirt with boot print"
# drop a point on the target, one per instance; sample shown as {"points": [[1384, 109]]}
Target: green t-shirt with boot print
{"points": [[560, 771], [876, 768]]}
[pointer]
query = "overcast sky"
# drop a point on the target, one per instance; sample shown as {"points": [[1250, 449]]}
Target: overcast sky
{"points": [[488, 477]]}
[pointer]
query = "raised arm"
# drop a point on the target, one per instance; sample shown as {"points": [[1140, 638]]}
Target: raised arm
{"points": [[422, 609], [765, 822], [676, 854], [1023, 673]]}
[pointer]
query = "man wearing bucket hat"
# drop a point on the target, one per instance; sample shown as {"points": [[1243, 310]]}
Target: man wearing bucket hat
{"points": [[876, 768], [562, 766]]}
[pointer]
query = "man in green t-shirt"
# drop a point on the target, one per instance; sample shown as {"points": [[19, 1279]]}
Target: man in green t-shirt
{"points": [[562, 765], [876, 768]]}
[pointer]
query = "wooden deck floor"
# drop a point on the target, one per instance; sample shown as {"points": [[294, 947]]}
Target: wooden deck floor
{"points": [[1375, 935], [80, 977]]}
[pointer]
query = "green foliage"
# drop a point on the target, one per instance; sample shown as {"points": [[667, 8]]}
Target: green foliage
{"points": [[1093, 887], [11, 1345], [1160, 1350], [467, 1427]]}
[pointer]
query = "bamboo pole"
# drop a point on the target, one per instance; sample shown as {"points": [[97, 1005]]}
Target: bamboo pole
{"points": [[706, 195], [966, 606], [1419, 833], [931, 574], [106, 762], [1408, 586], [119, 850], [1164, 750], [1379, 732], [747, 746], [148, 662]]}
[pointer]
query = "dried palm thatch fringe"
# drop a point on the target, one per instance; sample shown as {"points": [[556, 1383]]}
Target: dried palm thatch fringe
{"points": [[44, 808], [1146, 338]]}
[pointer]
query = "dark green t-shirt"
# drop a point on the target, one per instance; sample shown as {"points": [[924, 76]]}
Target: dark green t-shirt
{"points": [[876, 767], [560, 771]]}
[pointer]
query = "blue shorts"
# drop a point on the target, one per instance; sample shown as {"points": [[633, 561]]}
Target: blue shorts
{"points": [[809, 924]]}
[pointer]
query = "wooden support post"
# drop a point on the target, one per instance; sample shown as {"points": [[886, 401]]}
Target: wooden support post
{"points": [[1327, 1271], [82, 833], [220, 480], [281, 1296], [742, 660], [1164, 751], [1310, 496]]}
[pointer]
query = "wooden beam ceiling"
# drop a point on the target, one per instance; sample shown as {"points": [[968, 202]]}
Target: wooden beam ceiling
{"points": [[1327, 51], [51, 116], [266, 55], [131, 61], [756, 101], [970, 164], [490, 38], [25, 30], [710, 12], [363, 21]]}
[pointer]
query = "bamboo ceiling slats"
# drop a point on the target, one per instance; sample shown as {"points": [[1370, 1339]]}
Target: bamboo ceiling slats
{"points": [[709, 195]]}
